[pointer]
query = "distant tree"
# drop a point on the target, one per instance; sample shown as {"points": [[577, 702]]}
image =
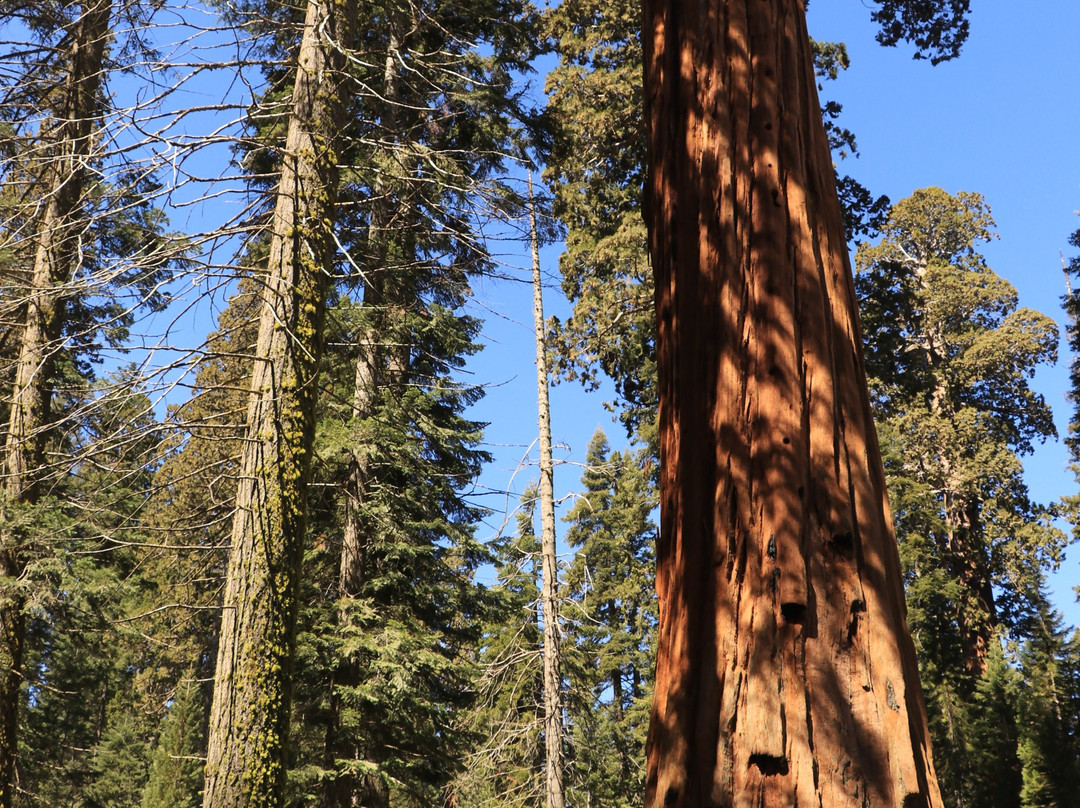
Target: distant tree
{"points": [[949, 357], [1071, 303], [88, 672], [611, 624], [554, 726], [507, 767], [176, 767]]}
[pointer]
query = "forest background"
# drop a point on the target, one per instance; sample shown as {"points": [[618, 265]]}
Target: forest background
{"points": [[995, 122], [1000, 121]]}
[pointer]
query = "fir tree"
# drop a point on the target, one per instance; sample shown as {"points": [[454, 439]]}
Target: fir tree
{"points": [[90, 666], [506, 768], [612, 624], [175, 777], [88, 252]]}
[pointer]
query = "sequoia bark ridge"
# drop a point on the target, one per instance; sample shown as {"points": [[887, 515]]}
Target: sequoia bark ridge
{"points": [[785, 673]]}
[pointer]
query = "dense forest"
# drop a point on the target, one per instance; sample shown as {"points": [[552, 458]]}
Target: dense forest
{"points": [[246, 556]]}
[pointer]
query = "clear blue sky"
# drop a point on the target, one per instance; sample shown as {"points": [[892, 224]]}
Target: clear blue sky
{"points": [[1001, 120]]}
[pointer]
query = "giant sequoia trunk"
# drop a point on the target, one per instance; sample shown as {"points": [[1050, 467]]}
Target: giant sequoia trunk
{"points": [[249, 720], [785, 672], [67, 141]]}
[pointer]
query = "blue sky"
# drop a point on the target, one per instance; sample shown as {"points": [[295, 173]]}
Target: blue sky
{"points": [[1001, 120]]}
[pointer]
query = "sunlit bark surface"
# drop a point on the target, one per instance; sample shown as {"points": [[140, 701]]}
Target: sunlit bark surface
{"points": [[554, 765], [785, 672]]}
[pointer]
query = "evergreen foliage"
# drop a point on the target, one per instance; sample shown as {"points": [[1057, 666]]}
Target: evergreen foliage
{"points": [[92, 673], [950, 357], [409, 632], [595, 165], [506, 768], [416, 684], [612, 624], [390, 624], [175, 776]]}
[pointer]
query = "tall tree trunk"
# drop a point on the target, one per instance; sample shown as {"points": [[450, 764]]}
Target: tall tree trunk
{"points": [[965, 552], [549, 596], [964, 548], [377, 365], [785, 671], [67, 146], [249, 719]]}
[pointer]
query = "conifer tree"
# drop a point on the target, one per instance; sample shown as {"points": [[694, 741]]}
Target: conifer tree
{"points": [[554, 753], [175, 775], [611, 624], [950, 355], [85, 253], [83, 738], [506, 768], [596, 167], [785, 672], [249, 720], [426, 155]]}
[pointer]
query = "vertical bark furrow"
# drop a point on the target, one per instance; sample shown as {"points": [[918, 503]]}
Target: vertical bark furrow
{"points": [[771, 474]]}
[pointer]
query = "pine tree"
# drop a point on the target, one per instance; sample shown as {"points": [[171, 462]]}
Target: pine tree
{"points": [[611, 624], [409, 628], [426, 160], [66, 148], [86, 254], [554, 730]]}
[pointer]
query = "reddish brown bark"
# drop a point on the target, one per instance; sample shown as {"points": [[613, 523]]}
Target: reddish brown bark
{"points": [[785, 672]]}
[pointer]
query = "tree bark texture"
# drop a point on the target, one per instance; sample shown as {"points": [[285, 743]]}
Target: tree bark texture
{"points": [[67, 141], [249, 720], [785, 674], [553, 705]]}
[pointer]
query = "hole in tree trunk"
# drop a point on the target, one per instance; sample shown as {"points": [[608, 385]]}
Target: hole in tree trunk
{"points": [[843, 542], [769, 765], [793, 612]]}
